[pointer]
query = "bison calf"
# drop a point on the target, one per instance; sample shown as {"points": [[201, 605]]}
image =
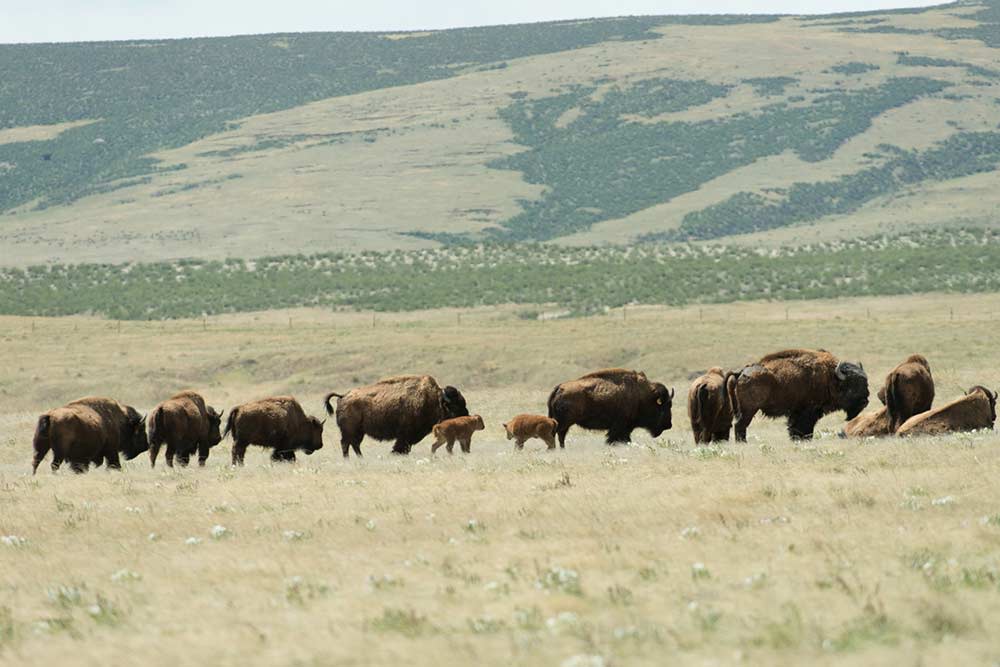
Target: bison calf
{"points": [[976, 410], [872, 424], [458, 428], [708, 407], [525, 427], [185, 425], [277, 422]]}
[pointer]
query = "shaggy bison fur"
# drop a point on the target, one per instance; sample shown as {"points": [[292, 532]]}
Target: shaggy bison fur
{"points": [[908, 390], [976, 410], [278, 423], [615, 400], [873, 424], [708, 407], [89, 430], [802, 385], [403, 408], [185, 425]]}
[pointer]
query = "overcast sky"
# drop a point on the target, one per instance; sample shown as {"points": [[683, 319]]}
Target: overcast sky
{"points": [[85, 20]]}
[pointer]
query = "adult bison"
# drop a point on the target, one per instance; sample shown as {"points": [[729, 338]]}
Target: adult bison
{"points": [[976, 410], [403, 408], [185, 424], [708, 407], [872, 424], [802, 385], [908, 390], [615, 400], [89, 430], [279, 423]]}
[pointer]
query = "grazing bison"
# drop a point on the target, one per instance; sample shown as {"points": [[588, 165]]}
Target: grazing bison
{"points": [[186, 425], [403, 408], [908, 390], [524, 427], [872, 424], [614, 399], [89, 430], [457, 428], [802, 385], [708, 407], [277, 422], [976, 410]]}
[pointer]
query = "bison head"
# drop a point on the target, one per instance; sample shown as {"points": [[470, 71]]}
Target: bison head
{"points": [[214, 423], [991, 395], [479, 425], [134, 441], [315, 441], [851, 388], [453, 403], [656, 412]]}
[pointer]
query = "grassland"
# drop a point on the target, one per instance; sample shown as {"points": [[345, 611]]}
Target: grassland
{"points": [[829, 551], [768, 130]]}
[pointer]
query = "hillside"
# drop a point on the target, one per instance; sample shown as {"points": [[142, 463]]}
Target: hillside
{"points": [[748, 129]]}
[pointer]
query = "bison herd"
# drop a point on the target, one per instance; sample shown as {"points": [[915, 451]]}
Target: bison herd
{"points": [[800, 385]]}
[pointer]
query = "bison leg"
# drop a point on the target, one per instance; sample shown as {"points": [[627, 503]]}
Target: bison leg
{"points": [[741, 425], [451, 445], [466, 445], [617, 436], [437, 444], [519, 443], [113, 462], [57, 460], [203, 450], [183, 459], [170, 454], [561, 432], [401, 446], [801, 423], [154, 451], [40, 453], [239, 451], [79, 467], [722, 435], [283, 456]]}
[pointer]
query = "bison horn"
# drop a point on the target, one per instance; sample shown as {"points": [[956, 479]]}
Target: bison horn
{"points": [[672, 392], [841, 375], [322, 422]]}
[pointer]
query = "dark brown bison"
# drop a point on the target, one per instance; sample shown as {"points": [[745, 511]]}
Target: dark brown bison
{"points": [[976, 410], [186, 425], [708, 407], [457, 428], [277, 422], [614, 399], [403, 408], [802, 385], [524, 427], [872, 424], [908, 390], [89, 430]]}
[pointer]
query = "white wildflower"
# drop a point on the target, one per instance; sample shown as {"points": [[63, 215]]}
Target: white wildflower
{"points": [[192, 541], [13, 540], [218, 532]]}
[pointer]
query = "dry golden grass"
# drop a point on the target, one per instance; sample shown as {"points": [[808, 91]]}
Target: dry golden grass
{"points": [[871, 552]]}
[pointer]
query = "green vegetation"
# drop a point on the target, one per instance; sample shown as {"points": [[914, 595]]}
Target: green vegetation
{"points": [[904, 58], [853, 68], [152, 95], [583, 280], [601, 167]]}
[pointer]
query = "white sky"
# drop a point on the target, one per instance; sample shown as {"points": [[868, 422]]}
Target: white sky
{"points": [[86, 20]]}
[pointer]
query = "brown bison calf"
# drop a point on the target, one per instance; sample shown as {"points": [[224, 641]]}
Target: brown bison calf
{"points": [[802, 385], [976, 410], [908, 390], [277, 422], [615, 400], [403, 408], [872, 424], [186, 425], [89, 430], [708, 407], [525, 427], [458, 428]]}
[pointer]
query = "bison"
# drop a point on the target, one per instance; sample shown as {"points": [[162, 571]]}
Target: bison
{"points": [[457, 428], [403, 408], [524, 427], [277, 422], [869, 425], [708, 407], [186, 425], [908, 390], [802, 385], [614, 399], [89, 430], [976, 410]]}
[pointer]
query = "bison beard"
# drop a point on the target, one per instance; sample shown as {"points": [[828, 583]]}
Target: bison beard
{"points": [[614, 400]]}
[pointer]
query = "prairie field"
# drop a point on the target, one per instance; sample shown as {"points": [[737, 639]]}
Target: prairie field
{"points": [[660, 552]]}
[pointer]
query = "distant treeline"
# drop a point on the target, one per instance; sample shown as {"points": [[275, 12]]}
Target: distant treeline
{"points": [[583, 280]]}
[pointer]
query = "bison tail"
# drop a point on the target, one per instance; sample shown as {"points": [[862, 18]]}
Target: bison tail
{"points": [[892, 402], [698, 405], [734, 403], [231, 423], [42, 441], [156, 430], [326, 401], [552, 403]]}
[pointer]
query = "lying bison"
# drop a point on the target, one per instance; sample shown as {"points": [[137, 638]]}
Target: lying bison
{"points": [[976, 410], [802, 385], [908, 390], [616, 400], [89, 430], [186, 425], [403, 408], [874, 424], [708, 407], [278, 423]]}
